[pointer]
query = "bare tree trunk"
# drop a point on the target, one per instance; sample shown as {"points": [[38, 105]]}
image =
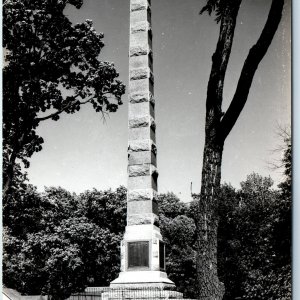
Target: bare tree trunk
{"points": [[210, 288], [217, 127]]}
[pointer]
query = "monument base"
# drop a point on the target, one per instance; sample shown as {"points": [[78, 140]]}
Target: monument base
{"points": [[139, 279], [141, 294]]}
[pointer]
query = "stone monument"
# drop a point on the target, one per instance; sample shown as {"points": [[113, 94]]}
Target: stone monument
{"points": [[142, 248]]}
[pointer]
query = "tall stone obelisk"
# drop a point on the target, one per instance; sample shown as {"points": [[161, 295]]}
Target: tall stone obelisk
{"points": [[142, 248]]}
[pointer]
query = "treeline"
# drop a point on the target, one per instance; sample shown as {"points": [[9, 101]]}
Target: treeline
{"points": [[57, 243]]}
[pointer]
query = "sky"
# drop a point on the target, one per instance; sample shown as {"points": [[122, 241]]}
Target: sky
{"points": [[82, 151]]}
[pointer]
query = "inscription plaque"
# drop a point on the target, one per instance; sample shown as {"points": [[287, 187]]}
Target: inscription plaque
{"points": [[138, 255]]}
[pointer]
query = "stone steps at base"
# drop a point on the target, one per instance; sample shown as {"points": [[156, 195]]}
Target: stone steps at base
{"points": [[141, 295]]}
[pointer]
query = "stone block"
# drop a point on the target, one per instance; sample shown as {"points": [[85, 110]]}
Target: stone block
{"points": [[138, 86], [140, 122], [139, 207], [142, 145], [141, 195], [139, 97], [139, 50], [139, 170], [141, 61], [142, 219], [144, 157], [141, 133], [139, 16], [139, 38], [139, 110], [142, 170], [137, 5], [140, 73], [143, 26], [142, 182]]}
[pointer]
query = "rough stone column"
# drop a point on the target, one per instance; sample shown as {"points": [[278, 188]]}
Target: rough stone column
{"points": [[142, 248], [142, 173]]}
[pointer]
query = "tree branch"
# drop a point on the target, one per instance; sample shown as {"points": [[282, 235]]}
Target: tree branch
{"points": [[220, 60], [63, 109], [256, 54]]}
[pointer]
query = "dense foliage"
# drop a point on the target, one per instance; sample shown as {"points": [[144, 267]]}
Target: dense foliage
{"points": [[57, 243], [255, 260], [51, 234], [178, 230], [51, 67]]}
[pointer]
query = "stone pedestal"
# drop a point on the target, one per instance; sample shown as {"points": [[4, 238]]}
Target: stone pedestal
{"points": [[142, 259]]}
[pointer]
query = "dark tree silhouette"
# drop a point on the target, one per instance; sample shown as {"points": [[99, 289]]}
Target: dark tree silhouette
{"points": [[51, 67], [218, 126]]}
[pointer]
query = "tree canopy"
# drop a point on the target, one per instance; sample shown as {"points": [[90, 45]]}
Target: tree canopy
{"points": [[57, 243], [51, 67]]}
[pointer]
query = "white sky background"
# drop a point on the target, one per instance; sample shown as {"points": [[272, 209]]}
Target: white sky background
{"points": [[81, 152]]}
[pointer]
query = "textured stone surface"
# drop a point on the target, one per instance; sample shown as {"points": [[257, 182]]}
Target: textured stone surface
{"points": [[141, 133], [141, 109], [144, 157], [141, 85], [140, 62], [141, 219], [139, 16], [141, 73], [139, 170], [141, 194], [139, 50], [139, 97], [143, 26], [140, 207], [142, 122], [140, 38], [143, 96], [141, 145], [142, 182], [139, 5], [139, 122]]}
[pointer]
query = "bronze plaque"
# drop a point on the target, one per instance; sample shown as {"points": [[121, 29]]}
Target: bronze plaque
{"points": [[138, 255]]}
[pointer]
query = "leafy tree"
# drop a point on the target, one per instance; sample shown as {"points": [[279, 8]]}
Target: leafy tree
{"points": [[170, 206], [254, 259], [105, 208], [51, 67], [23, 212], [57, 243], [178, 230], [218, 126], [57, 262]]}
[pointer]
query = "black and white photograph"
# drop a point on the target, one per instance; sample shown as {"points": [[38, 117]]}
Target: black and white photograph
{"points": [[147, 149]]}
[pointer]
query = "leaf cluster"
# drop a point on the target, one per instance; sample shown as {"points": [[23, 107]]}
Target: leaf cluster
{"points": [[253, 251], [51, 67], [55, 244], [221, 8]]}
